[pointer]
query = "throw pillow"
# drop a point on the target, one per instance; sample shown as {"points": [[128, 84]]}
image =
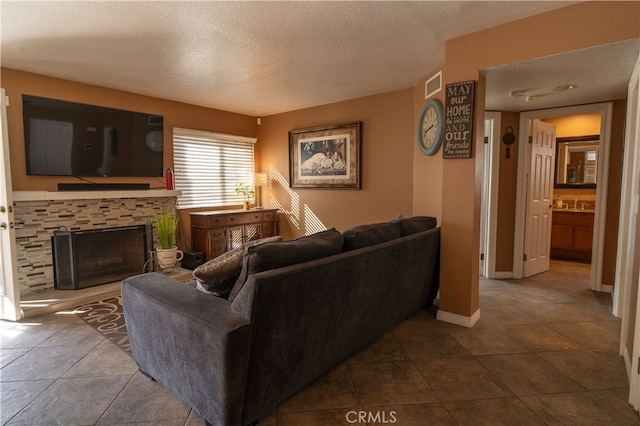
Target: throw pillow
{"points": [[284, 253], [415, 224], [370, 234], [218, 275]]}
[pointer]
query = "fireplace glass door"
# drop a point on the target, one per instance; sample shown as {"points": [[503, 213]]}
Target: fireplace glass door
{"points": [[93, 257]]}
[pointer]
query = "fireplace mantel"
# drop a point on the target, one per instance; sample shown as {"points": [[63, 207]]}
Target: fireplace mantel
{"points": [[90, 195]]}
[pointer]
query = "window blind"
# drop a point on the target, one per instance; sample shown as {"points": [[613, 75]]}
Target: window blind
{"points": [[207, 167]]}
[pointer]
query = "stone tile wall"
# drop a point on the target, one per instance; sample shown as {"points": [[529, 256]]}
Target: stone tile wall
{"points": [[35, 222]]}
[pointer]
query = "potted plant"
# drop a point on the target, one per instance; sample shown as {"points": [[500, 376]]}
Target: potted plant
{"points": [[247, 193], [166, 223]]}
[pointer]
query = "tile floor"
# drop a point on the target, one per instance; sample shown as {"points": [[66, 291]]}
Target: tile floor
{"points": [[544, 352]]}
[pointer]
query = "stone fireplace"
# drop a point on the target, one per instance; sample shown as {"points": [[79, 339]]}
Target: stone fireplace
{"points": [[38, 215]]}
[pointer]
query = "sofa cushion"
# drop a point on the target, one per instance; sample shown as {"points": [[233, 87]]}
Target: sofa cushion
{"points": [[412, 225], [370, 234], [276, 255], [218, 275]]}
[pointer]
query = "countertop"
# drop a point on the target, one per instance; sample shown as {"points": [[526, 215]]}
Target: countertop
{"points": [[574, 210]]}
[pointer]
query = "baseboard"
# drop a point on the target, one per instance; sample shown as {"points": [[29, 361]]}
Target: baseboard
{"points": [[606, 288], [458, 319], [503, 275]]}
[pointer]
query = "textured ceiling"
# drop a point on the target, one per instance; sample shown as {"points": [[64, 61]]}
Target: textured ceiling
{"points": [[600, 74], [256, 58]]}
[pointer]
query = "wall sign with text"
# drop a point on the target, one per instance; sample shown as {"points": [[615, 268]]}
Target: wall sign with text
{"points": [[458, 121]]}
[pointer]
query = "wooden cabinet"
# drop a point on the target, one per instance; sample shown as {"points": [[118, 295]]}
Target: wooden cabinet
{"points": [[215, 232], [572, 235]]}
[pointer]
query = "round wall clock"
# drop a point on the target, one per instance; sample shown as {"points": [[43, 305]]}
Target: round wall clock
{"points": [[154, 140], [430, 127]]}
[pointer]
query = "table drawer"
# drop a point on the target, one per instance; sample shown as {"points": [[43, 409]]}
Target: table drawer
{"points": [[217, 248], [267, 216], [216, 234], [267, 229], [207, 221], [241, 218]]}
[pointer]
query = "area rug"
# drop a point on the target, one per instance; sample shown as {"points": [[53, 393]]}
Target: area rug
{"points": [[107, 317]]}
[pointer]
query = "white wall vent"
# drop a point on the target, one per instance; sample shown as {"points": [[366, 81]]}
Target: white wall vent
{"points": [[433, 85]]}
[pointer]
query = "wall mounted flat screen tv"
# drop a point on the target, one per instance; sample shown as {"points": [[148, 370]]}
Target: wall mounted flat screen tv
{"points": [[72, 139]]}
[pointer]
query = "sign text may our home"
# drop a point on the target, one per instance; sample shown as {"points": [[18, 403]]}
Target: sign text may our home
{"points": [[458, 122]]}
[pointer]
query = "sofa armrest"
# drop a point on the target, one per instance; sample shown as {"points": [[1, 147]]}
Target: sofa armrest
{"points": [[192, 343]]}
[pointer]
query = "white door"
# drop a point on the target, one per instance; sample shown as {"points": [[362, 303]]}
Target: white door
{"points": [[537, 239], [486, 179], [489, 213], [633, 323], [9, 291], [627, 281]]}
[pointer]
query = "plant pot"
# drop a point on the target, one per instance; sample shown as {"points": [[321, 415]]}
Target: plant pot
{"points": [[245, 205], [167, 258]]}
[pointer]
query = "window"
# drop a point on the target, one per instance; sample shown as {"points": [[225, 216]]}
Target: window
{"points": [[209, 165]]}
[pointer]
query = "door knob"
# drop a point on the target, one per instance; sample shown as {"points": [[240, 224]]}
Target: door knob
{"points": [[2, 209], [3, 225]]}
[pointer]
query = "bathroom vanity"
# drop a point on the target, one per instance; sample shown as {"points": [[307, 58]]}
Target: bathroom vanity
{"points": [[572, 234]]}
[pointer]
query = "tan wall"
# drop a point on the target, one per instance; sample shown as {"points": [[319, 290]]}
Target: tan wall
{"points": [[387, 155], [427, 170], [176, 114], [614, 191], [507, 188], [574, 27], [576, 125], [387, 151]]}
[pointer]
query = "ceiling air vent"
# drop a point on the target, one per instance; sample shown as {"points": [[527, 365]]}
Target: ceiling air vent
{"points": [[433, 85]]}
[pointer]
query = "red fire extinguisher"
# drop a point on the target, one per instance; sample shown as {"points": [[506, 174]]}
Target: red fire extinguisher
{"points": [[169, 178]]}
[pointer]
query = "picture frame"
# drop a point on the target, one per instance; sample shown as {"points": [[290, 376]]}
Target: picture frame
{"points": [[326, 156]]}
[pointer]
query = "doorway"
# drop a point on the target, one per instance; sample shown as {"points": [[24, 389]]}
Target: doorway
{"points": [[526, 120]]}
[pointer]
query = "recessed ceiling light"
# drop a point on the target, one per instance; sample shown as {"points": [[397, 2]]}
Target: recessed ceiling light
{"points": [[565, 87]]}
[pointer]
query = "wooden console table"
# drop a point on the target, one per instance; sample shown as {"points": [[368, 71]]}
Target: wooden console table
{"points": [[215, 232]]}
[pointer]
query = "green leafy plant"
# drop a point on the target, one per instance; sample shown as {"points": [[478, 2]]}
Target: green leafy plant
{"points": [[166, 224], [247, 191]]}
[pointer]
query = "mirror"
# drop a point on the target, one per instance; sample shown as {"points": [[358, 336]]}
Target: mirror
{"points": [[577, 161]]}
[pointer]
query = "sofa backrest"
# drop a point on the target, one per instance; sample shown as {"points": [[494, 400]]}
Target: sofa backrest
{"points": [[266, 256], [308, 317], [375, 233], [275, 255]]}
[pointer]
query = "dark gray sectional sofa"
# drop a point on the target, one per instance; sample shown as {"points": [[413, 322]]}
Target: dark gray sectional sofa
{"points": [[298, 309]]}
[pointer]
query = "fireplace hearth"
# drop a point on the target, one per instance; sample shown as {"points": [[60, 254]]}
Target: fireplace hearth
{"points": [[88, 258]]}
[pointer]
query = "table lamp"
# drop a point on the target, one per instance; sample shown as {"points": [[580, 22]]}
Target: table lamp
{"points": [[259, 179]]}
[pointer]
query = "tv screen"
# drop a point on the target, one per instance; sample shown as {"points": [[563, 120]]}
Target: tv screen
{"points": [[72, 139]]}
